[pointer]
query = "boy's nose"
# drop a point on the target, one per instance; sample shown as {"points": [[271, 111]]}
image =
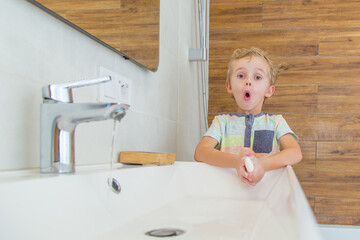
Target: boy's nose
{"points": [[248, 83]]}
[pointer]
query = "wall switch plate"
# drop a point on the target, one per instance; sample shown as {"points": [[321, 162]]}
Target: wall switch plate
{"points": [[117, 90]]}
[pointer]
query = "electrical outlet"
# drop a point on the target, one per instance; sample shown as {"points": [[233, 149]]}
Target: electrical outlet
{"points": [[117, 90], [125, 90]]}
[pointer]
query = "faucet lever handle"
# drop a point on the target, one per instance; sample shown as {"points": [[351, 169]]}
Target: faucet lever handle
{"points": [[62, 92], [83, 83]]}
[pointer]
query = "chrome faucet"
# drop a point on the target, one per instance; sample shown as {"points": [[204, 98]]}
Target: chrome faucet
{"points": [[59, 117]]}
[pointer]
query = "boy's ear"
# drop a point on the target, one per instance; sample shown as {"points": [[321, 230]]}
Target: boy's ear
{"points": [[228, 87], [270, 91]]}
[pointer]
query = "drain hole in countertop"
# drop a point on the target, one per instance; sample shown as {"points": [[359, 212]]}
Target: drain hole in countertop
{"points": [[165, 232]]}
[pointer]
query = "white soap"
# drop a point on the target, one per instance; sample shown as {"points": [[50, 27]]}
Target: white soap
{"points": [[249, 164]]}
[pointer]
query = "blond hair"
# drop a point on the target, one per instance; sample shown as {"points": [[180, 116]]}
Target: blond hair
{"points": [[257, 52]]}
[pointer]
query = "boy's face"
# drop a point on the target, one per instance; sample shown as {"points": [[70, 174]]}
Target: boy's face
{"points": [[250, 84]]}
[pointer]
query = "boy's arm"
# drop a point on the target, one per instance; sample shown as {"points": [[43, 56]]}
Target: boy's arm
{"points": [[290, 154], [206, 152]]}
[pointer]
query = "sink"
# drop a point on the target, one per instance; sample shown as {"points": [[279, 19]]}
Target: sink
{"points": [[204, 202]]}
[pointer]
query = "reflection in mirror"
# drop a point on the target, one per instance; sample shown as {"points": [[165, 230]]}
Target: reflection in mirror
{"points": [[128, 27]]}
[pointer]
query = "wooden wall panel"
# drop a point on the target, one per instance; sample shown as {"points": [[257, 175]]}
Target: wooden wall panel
{"points": [[135, 47], [343, 211], [229, 1], [139, 3], [80, 4], [218, 71], [284, 42], [308, 149], [329, 183], [105, 22], [340, 42], [290, 98], [112, 40], [339, 99], [338, 155], [301, 70], [319, 70], [318, 45], [220, 101], [291, 14], [248, 15], [315, 13], [325, 127]]}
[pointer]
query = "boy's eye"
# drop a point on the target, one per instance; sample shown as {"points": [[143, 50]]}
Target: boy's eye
{"points": [[258, 77], [241, 76]]}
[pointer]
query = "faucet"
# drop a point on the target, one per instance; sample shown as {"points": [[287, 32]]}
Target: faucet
{"points": [[59, 117]]}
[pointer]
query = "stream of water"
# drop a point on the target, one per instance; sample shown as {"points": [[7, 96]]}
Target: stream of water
{"points": [[113, 184]]}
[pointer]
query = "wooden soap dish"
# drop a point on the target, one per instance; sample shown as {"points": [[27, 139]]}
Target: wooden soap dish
{"points": [[147, 158]]}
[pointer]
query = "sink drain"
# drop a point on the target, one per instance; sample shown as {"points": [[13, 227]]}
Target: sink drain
{"points": [[114, 185], [165, 232]]}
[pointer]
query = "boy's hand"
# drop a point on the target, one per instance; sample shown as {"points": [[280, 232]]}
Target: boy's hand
{"points": [[250, 178], [255, 176], [241, 168]]}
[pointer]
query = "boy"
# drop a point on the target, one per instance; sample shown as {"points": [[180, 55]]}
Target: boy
{"points": [[249, 132]]}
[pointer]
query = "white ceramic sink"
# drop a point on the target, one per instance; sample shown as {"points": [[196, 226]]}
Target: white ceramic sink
{"points": [[205, 202]]}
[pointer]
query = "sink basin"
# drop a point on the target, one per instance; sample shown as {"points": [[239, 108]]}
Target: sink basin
{"points": [[203, 201]]}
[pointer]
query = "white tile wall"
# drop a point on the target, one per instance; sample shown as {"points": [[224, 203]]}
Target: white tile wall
{"points": [[37, 49]]}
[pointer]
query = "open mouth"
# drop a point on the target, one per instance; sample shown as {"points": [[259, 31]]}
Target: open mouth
{"points": [[247, 95]]}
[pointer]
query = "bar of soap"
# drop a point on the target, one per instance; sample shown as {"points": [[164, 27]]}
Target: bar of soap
{"points": [[249, 164]]}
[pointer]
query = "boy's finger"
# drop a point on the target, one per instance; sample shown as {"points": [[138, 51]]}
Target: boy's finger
{"points": [[247, 182], [242, 171], [244, 180]]}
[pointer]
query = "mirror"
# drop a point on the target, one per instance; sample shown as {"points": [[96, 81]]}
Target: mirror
{"points": [[128, 27]]}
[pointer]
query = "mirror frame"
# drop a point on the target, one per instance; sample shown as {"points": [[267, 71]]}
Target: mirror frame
{"points": [[54, 14]]}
